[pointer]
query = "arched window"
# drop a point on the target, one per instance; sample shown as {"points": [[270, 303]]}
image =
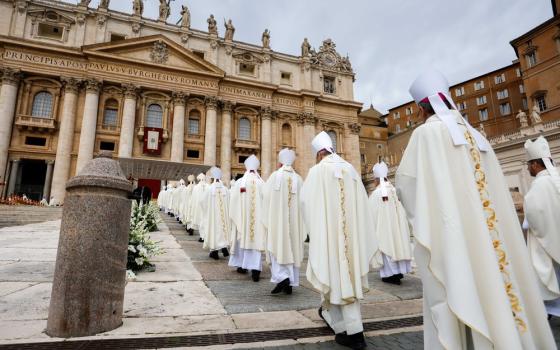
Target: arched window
{"points": [[194, 122], [42, 105], [110, 114], [154, 116], [286, 134], [332, 135], [244, 129]]}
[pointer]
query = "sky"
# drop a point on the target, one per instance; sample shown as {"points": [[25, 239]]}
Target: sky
{"points": [[389, 41]]}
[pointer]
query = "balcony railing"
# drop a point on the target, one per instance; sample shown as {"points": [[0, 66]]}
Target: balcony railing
{"points": [[245, 144], [109, 127], [27, 122]]}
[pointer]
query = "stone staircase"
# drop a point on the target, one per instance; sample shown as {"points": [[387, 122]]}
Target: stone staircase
{"points": [[16, 215]]}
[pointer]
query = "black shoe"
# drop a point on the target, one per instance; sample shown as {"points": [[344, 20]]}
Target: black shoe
{"points": [[288, 289], [400, 276], [255, 275], [225, 252], [323, 318], [241, 270], [200, 240], [353, 341], [307, 239], [172, 215], [177, 218], [392, 280], [190, 231], [281, 286], [214, 255]]}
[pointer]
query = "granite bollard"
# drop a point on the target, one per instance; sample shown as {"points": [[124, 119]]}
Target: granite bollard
{"points": [[90, 274]]}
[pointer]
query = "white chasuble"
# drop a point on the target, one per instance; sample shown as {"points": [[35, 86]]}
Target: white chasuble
{"points": [[245, 211], [216, 223], [342, 239], [390, 224], [542, 212], [196, 213], [469, 249], [185, 201], [282, 216]]}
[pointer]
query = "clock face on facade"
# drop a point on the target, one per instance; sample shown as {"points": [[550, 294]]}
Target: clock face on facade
{"points": [[329, 59]]}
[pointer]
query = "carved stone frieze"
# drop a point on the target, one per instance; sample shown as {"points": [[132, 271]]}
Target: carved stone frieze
{"points": [[159, 53], [328, 58]]}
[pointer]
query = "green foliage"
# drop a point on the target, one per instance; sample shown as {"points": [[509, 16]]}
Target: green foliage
{"points": [[143, 220]]}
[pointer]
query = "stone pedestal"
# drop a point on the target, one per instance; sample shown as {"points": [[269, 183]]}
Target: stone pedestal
{"points": [[90, 274]]}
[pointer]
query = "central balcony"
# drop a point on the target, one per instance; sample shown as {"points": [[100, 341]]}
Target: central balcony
{"points": [[39, 124]]}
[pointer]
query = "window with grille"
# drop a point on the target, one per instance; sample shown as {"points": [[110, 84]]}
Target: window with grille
{"points": [[481, 100], [397, 128], [483, 114], [541, 102], [531, 59], [502, 94], [332, 135], [498, 79], [479, 85], [42, 105], [244, 129], [328, 85], [505, 109], [110, 114], [154, 117], [460, 91], [396, 115]]}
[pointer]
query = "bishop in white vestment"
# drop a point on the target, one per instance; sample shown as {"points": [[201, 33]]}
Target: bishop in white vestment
{"points": [[195, 212], [216, 223], [342, 242], [391, 226], [177, 199], [161, 198], [542, 218], [185, 203], [480, 290], [248, 238], [283, 220]]}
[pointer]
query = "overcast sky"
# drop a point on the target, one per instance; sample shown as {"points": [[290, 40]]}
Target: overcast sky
{"points": [[389, 41]]}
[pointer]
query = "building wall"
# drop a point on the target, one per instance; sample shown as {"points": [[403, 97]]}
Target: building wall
{"points": [[160, 63]]}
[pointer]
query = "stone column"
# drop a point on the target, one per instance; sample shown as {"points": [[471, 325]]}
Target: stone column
{"points": [[178, 133], [8, 98], [225, 142], [48, 180], [89, 123], [352, 147], [126, 140], [308, 121], [13, 177], [266, 142], [65, 140], [210, 133]]}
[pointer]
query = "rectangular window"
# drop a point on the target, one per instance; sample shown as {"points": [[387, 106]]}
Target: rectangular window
{"points": [[479, 85], [106, 146], [541, 102], [200, 54], [363, 158], [50, 31], [409, 111], [521, 89], [396, 115], [498, 79], [194, 126], [35, 141], [110, 117], [117, 37], [483, 114], [328, 85], [531, 59], [460, 91], [247, 68], [525, 104], [518, 72], [505, 109], [481, 100], [397, 128], [462, 105], [285, 78], [502, 94], [242, 159], [193, 153]]}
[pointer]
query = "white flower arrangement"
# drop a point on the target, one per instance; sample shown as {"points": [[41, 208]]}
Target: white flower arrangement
{"points": [[141, 248]]}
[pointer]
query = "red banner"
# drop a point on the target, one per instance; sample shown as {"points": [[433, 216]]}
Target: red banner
{"points": [[152, 140]]}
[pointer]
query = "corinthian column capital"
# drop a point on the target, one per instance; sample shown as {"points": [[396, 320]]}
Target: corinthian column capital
{"points": [[130, 90], [11, 76], [211, 102], [71, 85], [227, 106], [92, 85], [179, 97]]}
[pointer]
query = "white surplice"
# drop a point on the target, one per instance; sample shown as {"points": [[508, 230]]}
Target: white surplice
{"points": [[283, 220], [342, 241], [185, 202], [216, 223], [195, 213], [542, 212], [248, 235], [392, 229], [456, 252]]}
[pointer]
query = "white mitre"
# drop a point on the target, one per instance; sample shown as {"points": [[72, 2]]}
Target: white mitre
{"points": [[539, 149], [287, 157], [215, 173], [252, 163], [432, 86], [322, 142], [380, 171], [190, 178], [201, 177], [181, 182]]}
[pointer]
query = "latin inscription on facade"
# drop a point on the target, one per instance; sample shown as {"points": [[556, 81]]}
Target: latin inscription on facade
{"points": [[107, 68], [245, 92]]}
